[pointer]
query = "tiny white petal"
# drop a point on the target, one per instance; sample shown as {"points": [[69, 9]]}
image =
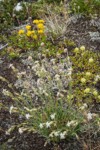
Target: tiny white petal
{"points": [[27, 116], [11, 108], [20, 130], [41, 125], [89, 116], [52, 116], [62, 136]]}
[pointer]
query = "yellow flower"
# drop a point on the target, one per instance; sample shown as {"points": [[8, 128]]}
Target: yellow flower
{"points": [[76, 50], [82, 48], [41, 21], [83, 80], [40, 31], [20, 32], [91, 60], [87, 90], [28, 27], [36, 21], [33, 32], [34, 37], [88, 74], [40, 26], [95, 92], [29, 33]]}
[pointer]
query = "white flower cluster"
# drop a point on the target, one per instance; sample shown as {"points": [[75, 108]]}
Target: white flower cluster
{"points": [[61, 135], [48, 123], [72, 123]]}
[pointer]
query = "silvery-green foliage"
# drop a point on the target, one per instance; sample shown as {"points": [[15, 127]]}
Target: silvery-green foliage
{"points": [[44, 77], [95, 36], [95, 22]]}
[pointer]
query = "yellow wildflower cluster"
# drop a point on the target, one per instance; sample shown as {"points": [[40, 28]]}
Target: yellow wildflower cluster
{"points": [[28, 27], [40, 26], [34, 33], [29, 33], [38, 21], [21, 32]]}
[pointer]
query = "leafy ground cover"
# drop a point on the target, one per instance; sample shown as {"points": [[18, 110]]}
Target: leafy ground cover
{"points": [[50, 76]]}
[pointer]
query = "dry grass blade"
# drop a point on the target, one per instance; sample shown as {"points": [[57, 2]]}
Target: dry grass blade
{"points": [[56, 23]]}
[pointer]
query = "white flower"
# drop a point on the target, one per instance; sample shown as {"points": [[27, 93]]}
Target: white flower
{"points": [[48, 124], [29, 57], [18, 7], [57, 77], [42, 44], [62, 135], [68, 124], [65, 50], [11, 65], [52, 116], [7, 133], [11, 108], [27, 116], [20, 130], [73, 123], [51, 134], [89, 116], [41, 125], [56, 133], [53, 61], [84, 106]]}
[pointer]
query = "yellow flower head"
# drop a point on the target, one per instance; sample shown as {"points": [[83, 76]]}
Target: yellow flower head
{"points": [[95, 92], [36, 21], [88, 74], [83, 80], [28, 27], [40, 26], [40, 31], [76, 50], [29, 33], [87, 90], [41, 21], [34, 37], [91, 60], [82, 48], [20, 32], [33, 32]]}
